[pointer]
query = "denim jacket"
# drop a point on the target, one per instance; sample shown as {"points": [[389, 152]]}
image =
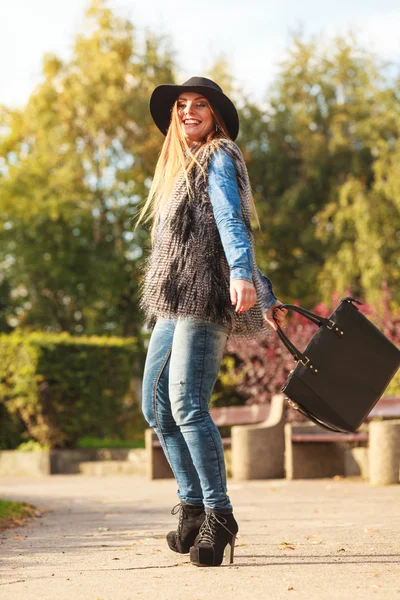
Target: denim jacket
{"points": [[225, 199]]}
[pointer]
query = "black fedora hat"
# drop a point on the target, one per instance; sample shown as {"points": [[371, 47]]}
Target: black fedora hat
{"points": [[164, 96]]}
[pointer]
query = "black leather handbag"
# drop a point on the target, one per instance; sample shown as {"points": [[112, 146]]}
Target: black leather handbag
{"points": [[344, 369]]}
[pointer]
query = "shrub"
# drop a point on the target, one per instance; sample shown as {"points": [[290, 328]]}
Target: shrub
{"points": [[11, 429], [64, 387]]}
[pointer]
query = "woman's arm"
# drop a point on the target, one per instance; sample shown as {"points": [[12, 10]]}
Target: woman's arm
{"points": [[225, 199]]}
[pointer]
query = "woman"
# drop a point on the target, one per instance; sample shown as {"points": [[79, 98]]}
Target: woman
{"points": [[201, 285]]}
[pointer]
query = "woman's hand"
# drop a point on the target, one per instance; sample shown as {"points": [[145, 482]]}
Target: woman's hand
{"points": [[243, 294], [274, 316]]}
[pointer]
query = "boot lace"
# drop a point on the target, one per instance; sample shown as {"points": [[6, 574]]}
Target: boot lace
{"points": [[209, 529], [179, 508]]}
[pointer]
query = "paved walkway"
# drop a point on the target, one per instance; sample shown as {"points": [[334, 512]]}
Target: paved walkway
{"points": [[103, 539]]}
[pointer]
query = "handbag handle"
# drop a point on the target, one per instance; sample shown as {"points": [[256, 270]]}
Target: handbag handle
{"points": [[314, 318]]}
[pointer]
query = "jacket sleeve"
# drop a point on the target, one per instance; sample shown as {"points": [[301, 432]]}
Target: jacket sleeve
{"points": [[225, 200], [268, 298]]}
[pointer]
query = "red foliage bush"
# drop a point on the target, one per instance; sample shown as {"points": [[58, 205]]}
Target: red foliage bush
{"points": [[264, 364]]}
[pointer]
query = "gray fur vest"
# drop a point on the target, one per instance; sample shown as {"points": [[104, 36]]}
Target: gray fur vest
{"points": [[186, 273]]}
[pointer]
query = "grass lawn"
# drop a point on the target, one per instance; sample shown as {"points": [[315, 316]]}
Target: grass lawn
{"points": [[14, 513], [97, 443]]}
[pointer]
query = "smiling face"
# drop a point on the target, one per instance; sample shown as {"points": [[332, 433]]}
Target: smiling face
{"points": [[195, 116]]}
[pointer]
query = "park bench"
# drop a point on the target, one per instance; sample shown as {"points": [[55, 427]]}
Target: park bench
{"points": [[335, 453], [157, 465]]}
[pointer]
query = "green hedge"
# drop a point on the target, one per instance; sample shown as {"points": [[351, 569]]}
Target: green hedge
{"points": [[11, 429], [65, 387]]}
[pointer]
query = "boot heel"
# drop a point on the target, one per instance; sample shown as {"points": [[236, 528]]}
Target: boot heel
{"points": [[230, 550], [216, 533]]}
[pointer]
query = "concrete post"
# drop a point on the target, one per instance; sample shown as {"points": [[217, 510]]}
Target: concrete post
{"points": [[384, 452], [257, 450]]}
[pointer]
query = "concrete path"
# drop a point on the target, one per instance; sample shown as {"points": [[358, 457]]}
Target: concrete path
{"points": [[103, 539]]}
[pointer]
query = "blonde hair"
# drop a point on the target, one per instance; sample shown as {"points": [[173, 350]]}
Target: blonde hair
{"points": [[176, 158]]}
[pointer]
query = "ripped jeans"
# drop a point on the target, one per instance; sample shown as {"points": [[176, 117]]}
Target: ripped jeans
{"points": [[182, 364]]}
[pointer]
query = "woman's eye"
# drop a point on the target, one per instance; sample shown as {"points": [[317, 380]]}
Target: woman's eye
{"points": [[201, 104]]}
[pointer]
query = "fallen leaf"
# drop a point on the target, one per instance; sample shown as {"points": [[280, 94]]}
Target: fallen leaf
{"points": [[115, 558], [287, 546], [371, 530], [17, 537], [341, 550], [290, 587]]}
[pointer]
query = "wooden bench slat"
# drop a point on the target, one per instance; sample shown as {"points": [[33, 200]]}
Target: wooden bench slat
{"points": [[329, 437], [387, 407], [226, 441], [239, 415]]}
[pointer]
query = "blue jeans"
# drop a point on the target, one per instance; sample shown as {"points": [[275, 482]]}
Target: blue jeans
{"points": [[182, 364]]}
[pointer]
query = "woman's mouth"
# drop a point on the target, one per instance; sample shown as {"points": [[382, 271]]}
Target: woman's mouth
{"points": [[191, 122]]}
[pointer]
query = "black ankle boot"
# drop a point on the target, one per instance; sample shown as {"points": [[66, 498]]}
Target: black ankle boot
{"points": [[191, 517], [217, 531]]}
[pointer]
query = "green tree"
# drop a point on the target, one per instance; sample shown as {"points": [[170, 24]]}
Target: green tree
{"points": [[320, 160], [76, 162]]}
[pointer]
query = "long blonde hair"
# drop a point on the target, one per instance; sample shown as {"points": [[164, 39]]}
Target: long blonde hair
{"points": [[175, 158]]}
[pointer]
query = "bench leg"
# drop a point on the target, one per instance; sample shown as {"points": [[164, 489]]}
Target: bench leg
{"points": [[257, 450], [384, 452], [157, 466], [310, 460]]}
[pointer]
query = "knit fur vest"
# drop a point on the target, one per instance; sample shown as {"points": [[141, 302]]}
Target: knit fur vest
{"points": [[186, 273]]}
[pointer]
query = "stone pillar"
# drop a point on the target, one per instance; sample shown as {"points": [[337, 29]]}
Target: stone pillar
{"points": [[257, 450], [384, 452]]}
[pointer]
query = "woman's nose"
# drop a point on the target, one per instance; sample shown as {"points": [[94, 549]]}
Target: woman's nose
{"points": [[189, 108]]}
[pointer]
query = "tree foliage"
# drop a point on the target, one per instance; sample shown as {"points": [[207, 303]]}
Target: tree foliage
{"points": [[77, 161], [322, 159]]}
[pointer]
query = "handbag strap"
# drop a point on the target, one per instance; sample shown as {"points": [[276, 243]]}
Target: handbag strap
{"points": [[314, 318], [297, 355]]}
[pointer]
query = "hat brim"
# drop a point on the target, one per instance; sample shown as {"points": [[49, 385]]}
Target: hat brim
{"points": [[164, 96]]}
